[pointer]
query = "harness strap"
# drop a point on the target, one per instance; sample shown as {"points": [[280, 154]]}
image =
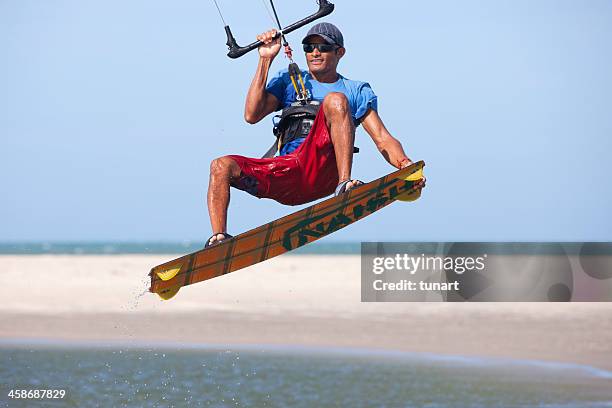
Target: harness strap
{"points": [[272, 150]]}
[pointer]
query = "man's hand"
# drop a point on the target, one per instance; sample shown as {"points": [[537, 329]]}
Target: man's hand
{"points": [[271, 46], [259, 102]]}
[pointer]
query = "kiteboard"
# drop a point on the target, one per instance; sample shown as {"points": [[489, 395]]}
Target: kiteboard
{"points": [[287, 233]]}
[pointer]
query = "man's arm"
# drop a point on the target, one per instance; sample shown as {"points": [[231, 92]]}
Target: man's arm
{"points": [[259, 102], [387, 145]]}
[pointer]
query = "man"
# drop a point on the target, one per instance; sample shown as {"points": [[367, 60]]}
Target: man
{"points": [[310, 167]]}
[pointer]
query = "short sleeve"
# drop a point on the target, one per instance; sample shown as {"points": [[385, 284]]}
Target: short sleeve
{"points": [[277, 86], [366, 99]]}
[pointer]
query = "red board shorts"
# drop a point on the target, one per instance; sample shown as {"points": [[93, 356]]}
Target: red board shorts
{"points": [[306, 174]]}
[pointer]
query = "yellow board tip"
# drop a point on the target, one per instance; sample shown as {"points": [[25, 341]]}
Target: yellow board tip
{"points": [[415, 176], [168, 274]]}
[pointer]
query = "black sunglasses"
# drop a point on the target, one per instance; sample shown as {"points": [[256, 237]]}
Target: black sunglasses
{"points": [[321, 47]]}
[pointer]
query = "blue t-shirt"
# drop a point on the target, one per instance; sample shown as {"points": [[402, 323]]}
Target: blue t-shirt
{"points": [[359, 94]]}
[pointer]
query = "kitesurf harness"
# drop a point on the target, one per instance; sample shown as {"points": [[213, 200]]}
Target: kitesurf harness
{"points": [[294, 122]]}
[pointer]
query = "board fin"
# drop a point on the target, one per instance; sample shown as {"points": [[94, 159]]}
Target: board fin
{"points": [[168, 293], [412, 195]]}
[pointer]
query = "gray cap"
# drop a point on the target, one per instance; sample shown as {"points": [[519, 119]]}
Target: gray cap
{"points": [[328, 32]]}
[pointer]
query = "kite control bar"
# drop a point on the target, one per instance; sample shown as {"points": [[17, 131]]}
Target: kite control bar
{"points": [[236, 51]]}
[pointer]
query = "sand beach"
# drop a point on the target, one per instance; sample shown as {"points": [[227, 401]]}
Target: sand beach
{"points": [[305, 300]]}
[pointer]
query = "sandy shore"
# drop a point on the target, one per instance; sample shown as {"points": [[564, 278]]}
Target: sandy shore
{"points": [[291, 300]]}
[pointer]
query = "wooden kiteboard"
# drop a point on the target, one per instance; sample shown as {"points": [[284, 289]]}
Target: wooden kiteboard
{"points": [[287, 233]]}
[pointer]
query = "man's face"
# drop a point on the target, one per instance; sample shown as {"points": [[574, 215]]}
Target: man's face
{"points": [[323, 62]]}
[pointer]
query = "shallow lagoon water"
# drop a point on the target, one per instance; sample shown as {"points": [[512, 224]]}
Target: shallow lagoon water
{"points": [[261, 376]]}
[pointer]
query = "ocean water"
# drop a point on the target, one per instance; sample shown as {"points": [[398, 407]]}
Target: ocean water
{"points": [[291, 377]]}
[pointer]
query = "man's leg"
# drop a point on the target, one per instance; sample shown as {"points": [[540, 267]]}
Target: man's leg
{"points": [[222, 171], [342, 132]]}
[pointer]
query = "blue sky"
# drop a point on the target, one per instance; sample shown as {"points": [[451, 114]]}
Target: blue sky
{"points": [[111, 111]]}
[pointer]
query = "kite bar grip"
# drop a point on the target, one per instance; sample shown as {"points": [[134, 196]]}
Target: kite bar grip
{"points": [[236, 51]]}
